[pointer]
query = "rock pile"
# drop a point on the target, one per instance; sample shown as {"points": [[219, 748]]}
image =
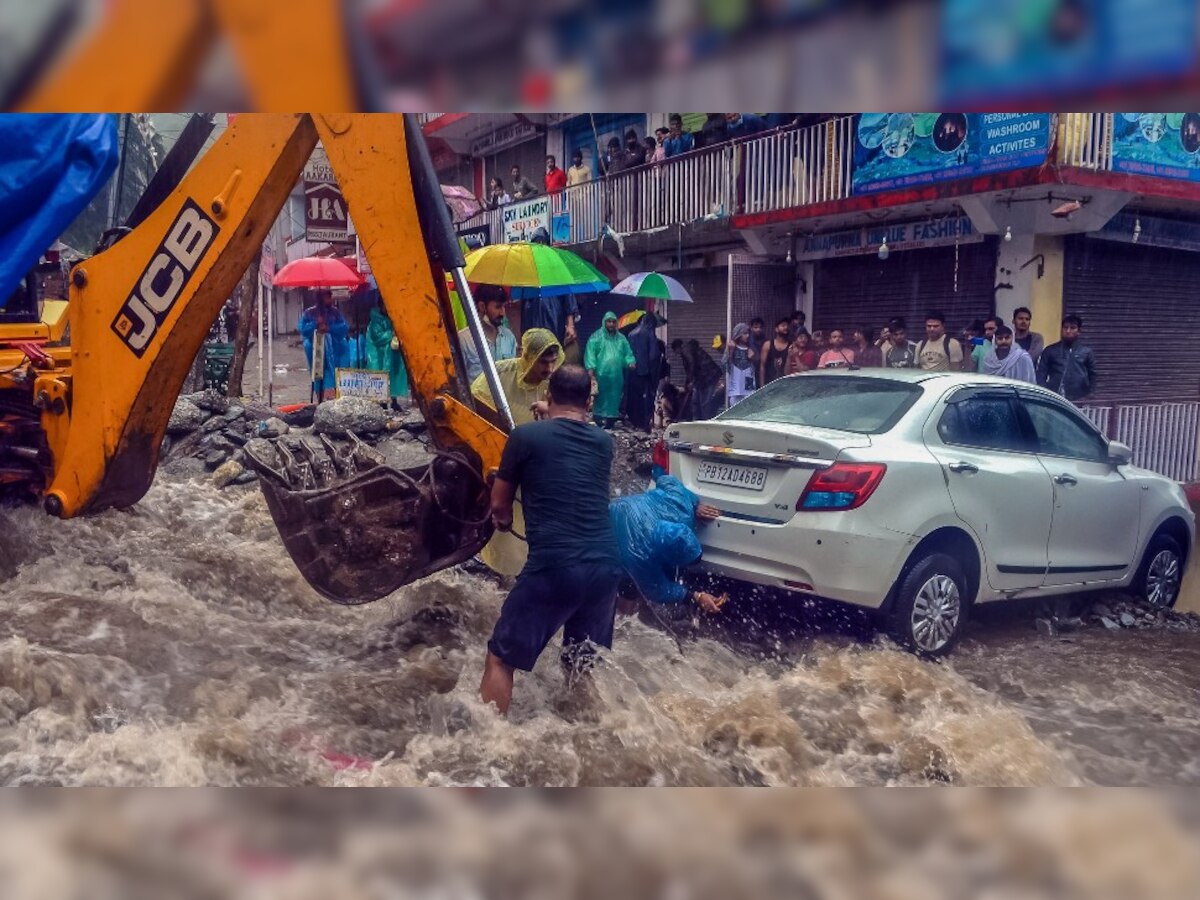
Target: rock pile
{"points": [[1116, 612], [208, 432]]}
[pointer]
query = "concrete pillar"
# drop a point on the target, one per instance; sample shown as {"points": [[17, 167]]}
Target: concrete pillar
{"points": [[1038, 285], [1046, 295]]}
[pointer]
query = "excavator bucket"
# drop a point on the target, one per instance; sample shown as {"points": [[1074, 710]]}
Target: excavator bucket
{"points": [[358, 528]]}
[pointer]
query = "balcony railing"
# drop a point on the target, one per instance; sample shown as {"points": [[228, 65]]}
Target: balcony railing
{"points": [[798, 166], [1085, 140], [786, 168], [777, 170]]}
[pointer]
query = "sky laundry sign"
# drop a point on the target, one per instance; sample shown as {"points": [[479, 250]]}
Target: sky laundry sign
{"points": [[900, 236], [521, 220]]}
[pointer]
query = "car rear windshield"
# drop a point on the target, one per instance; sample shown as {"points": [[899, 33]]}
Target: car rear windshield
{"points": [[839, 402]]}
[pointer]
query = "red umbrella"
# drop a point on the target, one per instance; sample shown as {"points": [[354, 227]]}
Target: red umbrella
{"points": [[319, 272]]}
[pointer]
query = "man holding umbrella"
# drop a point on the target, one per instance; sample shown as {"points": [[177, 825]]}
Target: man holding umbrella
{"points": [[325, 325], [607, 357]]}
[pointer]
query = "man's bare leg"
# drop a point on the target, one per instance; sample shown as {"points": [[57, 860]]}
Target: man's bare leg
{"points": [[497, 684]]}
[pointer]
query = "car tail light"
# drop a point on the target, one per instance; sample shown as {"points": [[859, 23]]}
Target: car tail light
{"points": [[841, 486], [661, 457]]}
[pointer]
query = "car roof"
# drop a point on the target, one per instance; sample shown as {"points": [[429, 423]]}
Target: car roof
{"points": [[942, 381], [915, 376]]}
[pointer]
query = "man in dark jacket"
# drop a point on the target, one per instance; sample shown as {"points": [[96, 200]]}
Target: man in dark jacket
{"points": [[642, 381], [1068, 367]]}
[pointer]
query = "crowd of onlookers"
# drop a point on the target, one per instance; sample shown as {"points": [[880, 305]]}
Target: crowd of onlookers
{"points": [[634, 381], [666, 143], [753, 359]]}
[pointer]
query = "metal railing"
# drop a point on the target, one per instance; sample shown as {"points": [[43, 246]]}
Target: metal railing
{"points": [[797, 166], [1164, 437], [1085, 140], [781, 169]]}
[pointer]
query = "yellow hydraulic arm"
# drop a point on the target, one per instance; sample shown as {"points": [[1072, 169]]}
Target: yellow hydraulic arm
{"points": [[146, 54], [140, 311]]}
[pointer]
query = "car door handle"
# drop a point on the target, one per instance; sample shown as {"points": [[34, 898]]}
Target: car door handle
{"points": [[1064, 478], [963, 468]]}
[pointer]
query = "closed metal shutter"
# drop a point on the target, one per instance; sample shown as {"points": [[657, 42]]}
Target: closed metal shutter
{"points": [[1139, 306], [763, 290], [866, 290], [701, 319]]}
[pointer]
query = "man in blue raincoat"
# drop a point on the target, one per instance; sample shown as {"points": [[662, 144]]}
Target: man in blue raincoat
{"points": [[656, 537], [325, 320]]}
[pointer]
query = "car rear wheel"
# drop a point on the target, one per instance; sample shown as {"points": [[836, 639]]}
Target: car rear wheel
{"points": [[931, 604], [1161, 572]]}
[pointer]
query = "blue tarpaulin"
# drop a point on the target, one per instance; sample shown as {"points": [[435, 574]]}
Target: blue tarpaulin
{"points": [[655, 537], [50, 167]]}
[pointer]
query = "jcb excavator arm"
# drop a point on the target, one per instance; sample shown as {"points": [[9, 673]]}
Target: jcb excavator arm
{"points": [[140, 311]]}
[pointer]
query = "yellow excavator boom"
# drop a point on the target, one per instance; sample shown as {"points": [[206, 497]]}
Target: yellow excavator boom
{"points": [[140, 310]]}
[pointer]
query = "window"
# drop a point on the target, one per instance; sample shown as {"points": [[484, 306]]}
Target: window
{"points": [[983, 420], [1060, 433], [839, 402]]}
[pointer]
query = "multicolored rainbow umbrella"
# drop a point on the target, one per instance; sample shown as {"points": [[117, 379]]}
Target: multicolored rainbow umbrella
{"points": [[534, 270]]}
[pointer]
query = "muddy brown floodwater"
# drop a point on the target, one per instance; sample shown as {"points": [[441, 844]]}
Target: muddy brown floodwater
{"points": [[175, 644]]}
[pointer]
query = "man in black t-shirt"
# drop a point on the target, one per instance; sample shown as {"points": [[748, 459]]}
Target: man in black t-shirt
{"points": [[562, 467]]}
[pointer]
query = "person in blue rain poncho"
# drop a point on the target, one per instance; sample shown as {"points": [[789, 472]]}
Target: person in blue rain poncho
{"points": [[326, 319], [656, 537]]}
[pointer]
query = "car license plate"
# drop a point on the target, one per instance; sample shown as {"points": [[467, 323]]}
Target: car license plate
{"points": [[750, 478]]}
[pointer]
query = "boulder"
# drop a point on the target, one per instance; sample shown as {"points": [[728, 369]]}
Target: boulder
{"points": [[272, 428], [210, 400], [186, 417], [1109, 623], [214, 458], [349, 414], [234, 413], [1127, 621], [300, 418], [227, 473], [246, 477]]}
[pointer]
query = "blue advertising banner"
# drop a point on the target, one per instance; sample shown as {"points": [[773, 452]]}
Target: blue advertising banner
{"points": [[997, 50], [1165, 145], [901, 150]]}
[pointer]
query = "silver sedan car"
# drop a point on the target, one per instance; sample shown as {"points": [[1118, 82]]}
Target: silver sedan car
{"points": [[918, 494]]}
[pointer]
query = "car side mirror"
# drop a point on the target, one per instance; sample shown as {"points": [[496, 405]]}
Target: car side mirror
{"points": [[1119, 454]]}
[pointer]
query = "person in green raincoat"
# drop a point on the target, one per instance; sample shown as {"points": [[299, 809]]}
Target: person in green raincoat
{"points": [[607, 357], [383, 352]]}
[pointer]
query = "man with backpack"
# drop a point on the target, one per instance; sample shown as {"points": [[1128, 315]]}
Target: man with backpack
{"points": [[938, 352]]}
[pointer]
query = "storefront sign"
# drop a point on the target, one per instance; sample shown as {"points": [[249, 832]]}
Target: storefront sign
{"points": [[1164, 145], [477, 237], [900, 236], [1150, 231], [324, 207], [363, 383], [521, 220], [900, 150]]}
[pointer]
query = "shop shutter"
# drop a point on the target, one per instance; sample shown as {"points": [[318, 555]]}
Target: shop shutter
{"points": [[763, 290], [866, 290], [701, 319], [1139, 306]]}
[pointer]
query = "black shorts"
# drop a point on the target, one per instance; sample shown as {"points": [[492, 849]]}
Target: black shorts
{"points": [[579, 599]]}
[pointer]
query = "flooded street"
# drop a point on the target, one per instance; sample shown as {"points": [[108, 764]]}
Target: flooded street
{"points": [[176, 644]]}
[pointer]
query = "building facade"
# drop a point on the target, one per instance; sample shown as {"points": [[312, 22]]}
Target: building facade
{"points": [[857, 219]]}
